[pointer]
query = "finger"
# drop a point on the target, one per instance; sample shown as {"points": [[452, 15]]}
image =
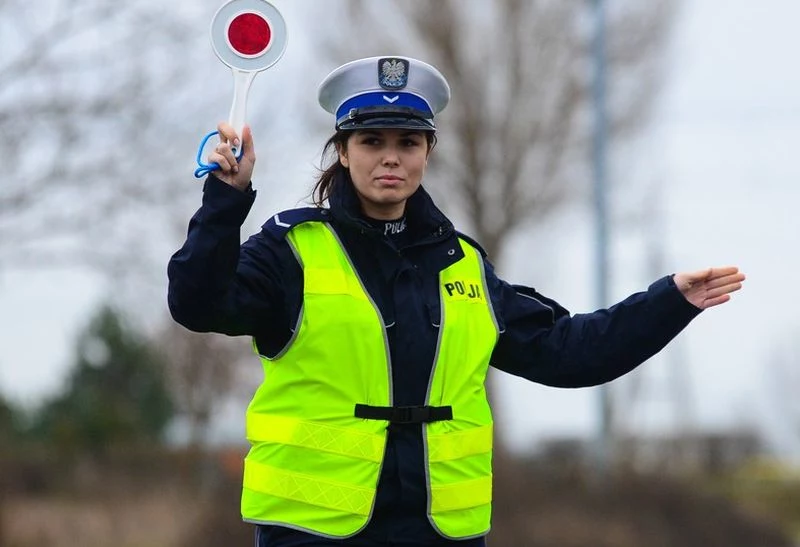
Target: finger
{"points": [[227, 133], [725, 289], [220, 159], [725, 280], [224, 149], [711, 302], [722, 272]]}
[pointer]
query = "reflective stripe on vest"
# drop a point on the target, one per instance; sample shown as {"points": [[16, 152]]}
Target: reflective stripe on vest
{"points": [[313, 465], [459, 451]]}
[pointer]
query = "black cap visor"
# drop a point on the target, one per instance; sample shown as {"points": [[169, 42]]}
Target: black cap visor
{"points": [[386, 117]]}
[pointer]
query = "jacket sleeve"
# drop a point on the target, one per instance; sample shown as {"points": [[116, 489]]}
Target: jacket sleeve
{"points": [[218, 285], [543, 342]]}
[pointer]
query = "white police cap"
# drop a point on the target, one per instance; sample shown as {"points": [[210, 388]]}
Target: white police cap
{"points": [[384, 93]]}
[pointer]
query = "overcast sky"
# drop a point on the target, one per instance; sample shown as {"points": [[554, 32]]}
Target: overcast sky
{"points": [[722, 150]]}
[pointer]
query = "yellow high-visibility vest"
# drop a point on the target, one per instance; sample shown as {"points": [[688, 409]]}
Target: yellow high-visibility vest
{"points": [[313, 465]]}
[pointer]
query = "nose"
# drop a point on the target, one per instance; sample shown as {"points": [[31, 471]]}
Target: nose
{"points": [[391, 157]]}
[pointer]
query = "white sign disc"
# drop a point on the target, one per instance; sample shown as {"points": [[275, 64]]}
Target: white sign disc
{"points": [[248, 35]]}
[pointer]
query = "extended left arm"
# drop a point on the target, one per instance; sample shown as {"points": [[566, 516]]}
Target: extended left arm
{"points": [[563, 350]]}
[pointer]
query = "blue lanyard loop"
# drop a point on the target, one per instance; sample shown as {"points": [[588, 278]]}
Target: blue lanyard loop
{"points": [[205, 168]]}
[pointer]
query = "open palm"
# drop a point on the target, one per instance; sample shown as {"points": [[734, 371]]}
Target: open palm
{"points": [[709, 287]]}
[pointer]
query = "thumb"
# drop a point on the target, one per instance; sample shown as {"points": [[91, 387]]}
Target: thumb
{"points": [[247, 143], [700, 275], [686, 280]]}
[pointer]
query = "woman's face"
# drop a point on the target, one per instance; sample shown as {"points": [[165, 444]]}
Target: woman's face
{"points": [[386, 166]]}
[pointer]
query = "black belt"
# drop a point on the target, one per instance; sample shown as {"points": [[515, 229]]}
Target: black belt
{"points": [[404, 414]]}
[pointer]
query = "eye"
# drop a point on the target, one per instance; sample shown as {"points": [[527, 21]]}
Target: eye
{"points": [[370, 141], [411, 142]]}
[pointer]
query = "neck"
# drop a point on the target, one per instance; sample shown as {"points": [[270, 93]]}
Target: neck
{"points": [[383, 211]]}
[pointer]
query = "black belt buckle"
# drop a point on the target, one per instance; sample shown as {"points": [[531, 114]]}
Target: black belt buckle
{"points": [[410, 414]]}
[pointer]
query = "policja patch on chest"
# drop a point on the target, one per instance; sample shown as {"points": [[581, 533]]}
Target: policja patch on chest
{"points": [[466, 289]]}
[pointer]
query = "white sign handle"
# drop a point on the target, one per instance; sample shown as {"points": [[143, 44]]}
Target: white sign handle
{"points": [[241, 87]]}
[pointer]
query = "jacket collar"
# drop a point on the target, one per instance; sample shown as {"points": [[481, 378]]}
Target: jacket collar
{"points": [[425, 220]]}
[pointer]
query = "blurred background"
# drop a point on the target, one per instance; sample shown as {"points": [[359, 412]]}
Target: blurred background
{"points": [[591, 146]]}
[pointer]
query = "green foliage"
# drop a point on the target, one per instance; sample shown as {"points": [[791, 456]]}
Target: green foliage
{"points": [[115, 394], [9, 429], [766, 487]]}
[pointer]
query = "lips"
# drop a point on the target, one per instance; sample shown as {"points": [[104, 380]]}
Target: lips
{"points": [[389, 178]]}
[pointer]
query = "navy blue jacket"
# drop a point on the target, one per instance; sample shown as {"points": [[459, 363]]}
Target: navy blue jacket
{"points": [[255, 289]]}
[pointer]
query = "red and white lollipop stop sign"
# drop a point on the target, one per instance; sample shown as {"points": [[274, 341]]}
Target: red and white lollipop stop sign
{"points": [[249, 36]]}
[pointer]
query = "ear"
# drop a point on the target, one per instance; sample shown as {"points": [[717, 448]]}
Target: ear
{"points": [[342, 156]]}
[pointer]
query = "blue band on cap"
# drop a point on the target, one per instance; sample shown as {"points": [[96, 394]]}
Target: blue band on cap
{"points": [[386, 98]]}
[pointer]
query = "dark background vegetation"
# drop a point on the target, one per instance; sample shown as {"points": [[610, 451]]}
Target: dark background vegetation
{"points": [[92, 466]]}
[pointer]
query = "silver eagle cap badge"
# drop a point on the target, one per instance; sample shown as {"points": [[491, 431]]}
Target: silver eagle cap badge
{"points": [[393, 73]]}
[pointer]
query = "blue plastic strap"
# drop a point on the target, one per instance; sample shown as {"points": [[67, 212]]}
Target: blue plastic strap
{"points": [[206, 168]]}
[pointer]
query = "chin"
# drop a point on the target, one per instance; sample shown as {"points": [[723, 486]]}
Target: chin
{"points": [[391, 196]]}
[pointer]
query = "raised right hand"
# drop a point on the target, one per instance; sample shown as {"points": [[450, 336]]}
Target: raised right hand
{"points": [[237, 174]]}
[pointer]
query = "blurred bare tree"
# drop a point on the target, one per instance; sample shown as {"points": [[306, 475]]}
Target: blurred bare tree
{"points": [[514, 140], [203, 371], [98, 101], [784, 382], [88, 127]]}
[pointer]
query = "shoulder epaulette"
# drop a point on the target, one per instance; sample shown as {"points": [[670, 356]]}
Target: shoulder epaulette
{"points": [[472, 242], [280, 223]]}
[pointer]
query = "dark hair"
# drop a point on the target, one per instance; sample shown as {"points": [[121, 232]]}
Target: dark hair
{"points": [[326, 182]]}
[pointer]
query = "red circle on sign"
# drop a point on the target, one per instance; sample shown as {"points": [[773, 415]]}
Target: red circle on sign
{"points": [[249, 34]]}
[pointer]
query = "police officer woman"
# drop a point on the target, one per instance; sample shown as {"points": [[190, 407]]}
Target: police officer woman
{"points": [[376, 322]]}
